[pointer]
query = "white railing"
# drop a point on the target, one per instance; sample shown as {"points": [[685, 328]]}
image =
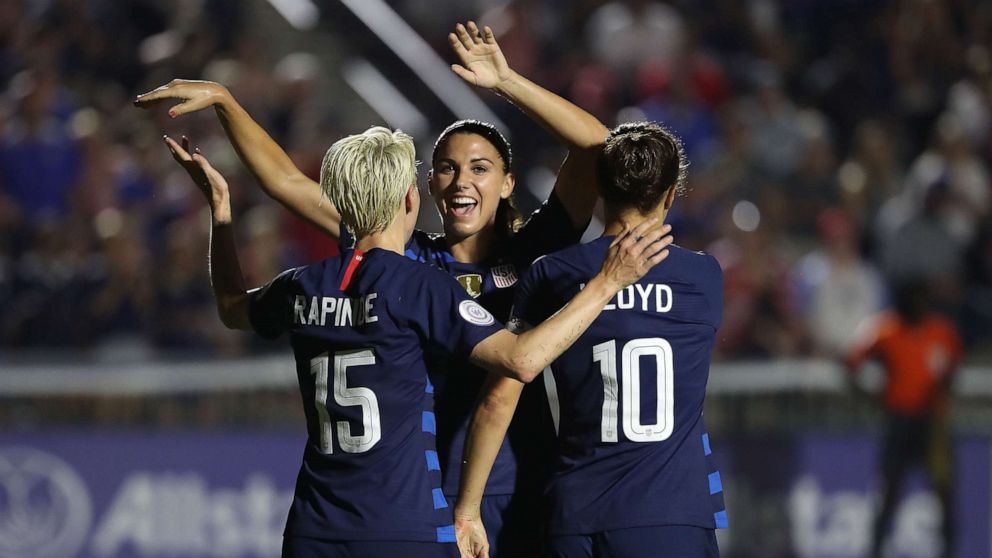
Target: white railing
{"points": [[278, 371]]}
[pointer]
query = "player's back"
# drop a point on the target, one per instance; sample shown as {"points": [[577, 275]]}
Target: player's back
{"points": [[359, 326], [632, 447]]}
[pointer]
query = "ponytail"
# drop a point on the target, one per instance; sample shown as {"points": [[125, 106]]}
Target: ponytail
{"points": [[508, 217]]}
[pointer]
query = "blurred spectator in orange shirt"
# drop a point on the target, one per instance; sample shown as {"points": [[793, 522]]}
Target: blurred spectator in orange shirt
{"points": [[920, 352]]}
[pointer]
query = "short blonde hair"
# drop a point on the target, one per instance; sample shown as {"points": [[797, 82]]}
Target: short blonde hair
{"points": [[366, 176]]}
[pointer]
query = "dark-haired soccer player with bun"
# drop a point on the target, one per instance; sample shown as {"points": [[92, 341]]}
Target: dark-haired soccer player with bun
{"points": [[361, 325], [633, 476]]}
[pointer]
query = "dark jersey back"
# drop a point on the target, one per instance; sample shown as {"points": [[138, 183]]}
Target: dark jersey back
{"points": [[523, 459], [632, 447], [360, 333]]}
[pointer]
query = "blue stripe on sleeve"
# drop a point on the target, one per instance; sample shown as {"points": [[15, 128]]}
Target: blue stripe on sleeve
{"points": [[720, 518], [706, 444], [430, 387], [433, 464], [446, 534], [715, 484], [428, 423], [439, 501]]}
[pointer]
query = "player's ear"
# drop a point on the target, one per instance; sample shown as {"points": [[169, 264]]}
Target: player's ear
{"points": [[508, 184], [412, 199], [670, 197]]}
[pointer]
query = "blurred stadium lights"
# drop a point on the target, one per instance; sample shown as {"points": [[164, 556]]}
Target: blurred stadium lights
{"points": [[397, 34], [380, 94], [301, 14]]}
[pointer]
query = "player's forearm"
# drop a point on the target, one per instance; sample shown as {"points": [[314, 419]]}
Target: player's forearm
{"points": [[485, 436], [572, 125], [226, 278], [271, 165], [259, 152], [522, 357]]}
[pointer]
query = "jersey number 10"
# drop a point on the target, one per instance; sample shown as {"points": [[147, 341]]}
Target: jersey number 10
{"points": [[630, 368], [346, 397]]}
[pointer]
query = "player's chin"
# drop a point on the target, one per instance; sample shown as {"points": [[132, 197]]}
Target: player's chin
{"points": [[463, 228]]}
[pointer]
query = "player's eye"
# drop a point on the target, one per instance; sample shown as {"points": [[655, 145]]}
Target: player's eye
{"points": [[444, 169], [479, 169]]}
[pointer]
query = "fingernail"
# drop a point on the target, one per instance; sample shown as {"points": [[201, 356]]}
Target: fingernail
{"points": [[172, 113]]}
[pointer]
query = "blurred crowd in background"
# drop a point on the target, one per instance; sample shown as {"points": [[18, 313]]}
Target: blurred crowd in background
{"points": [[838, 149]]}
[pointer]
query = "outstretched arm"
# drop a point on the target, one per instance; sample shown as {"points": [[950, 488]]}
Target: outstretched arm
{"points": [[483, 65], [225, 270], [498, 402], [522, 357], [280, 178]]}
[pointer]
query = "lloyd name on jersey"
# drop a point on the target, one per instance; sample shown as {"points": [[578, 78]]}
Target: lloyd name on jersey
{"points": [[652, 297]]}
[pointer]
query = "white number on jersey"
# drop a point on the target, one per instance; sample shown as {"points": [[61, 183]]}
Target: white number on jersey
{"points": [[346, 397], [630, 366]]}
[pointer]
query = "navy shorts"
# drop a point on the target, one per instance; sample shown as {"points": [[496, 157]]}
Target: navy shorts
{"points": [[303, 547], [513, 525], [658, 541]]}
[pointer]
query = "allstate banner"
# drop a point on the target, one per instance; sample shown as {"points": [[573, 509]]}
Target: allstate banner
{"points": [[816, 496], [136, 494], [142, 494]]}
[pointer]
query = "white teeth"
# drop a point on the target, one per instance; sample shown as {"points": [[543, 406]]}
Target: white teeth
{"points": [[462, 200]]}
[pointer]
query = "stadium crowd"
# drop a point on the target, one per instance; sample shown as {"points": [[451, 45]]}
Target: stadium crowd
{"points": [[837, 148]]}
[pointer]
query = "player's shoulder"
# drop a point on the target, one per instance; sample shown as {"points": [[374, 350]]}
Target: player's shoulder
{"points": [[698, 259], [574, 258]]}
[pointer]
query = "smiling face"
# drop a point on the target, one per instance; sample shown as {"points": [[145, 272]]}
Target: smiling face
{"points": [[467, 182]]}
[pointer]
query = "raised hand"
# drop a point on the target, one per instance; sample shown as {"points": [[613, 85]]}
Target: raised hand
{"points": [[482, 61], [211, 183], [635, 251], [194, 94]]}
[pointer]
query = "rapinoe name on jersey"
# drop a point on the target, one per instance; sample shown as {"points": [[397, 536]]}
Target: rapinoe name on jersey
{"points": [[335, 311], [654, 297]]}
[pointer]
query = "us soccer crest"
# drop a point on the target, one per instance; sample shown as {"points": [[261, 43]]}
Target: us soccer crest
{"points": [[472, 283], [504, 276]]}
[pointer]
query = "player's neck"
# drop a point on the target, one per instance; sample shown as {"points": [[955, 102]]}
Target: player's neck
{"points": [[474, 248], [392, 239], [615, 220]]}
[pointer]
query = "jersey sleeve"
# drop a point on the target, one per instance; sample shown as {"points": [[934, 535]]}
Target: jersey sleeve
{"points": [[714, 288], [270, 308], [547, 230], [533, 302], [450, 318]]}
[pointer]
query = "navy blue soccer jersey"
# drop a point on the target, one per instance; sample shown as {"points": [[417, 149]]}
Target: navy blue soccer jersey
{"points": [[361, 326], [632, 448], [525, 454]]}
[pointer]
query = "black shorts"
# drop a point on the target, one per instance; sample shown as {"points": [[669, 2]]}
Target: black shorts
{"points": [[658, 541], [304, 547]]}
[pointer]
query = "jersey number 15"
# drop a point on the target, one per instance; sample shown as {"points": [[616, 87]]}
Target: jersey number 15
{"points": [[346, 397]]}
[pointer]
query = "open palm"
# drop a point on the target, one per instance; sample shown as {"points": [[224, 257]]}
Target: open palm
{"points": [[482, 61]]}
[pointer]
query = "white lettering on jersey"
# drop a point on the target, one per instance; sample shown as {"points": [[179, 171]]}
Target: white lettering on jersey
{"points": [[334, 311], [647, 298]]}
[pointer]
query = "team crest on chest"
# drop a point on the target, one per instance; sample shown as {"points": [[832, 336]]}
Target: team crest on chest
{"points": [[472, 283], [504, 275]]}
